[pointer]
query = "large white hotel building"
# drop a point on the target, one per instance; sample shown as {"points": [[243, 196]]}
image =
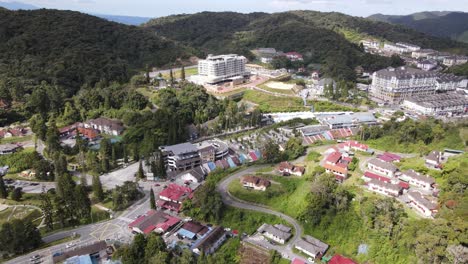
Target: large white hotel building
{"points": [[215, 69]]}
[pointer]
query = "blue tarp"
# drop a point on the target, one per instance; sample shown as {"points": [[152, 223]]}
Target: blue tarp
{"points": [[258, 154], [231, 162], [212, 166], [186, 233], [242, 158]]}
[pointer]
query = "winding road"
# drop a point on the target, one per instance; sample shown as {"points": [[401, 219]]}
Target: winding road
{"points": [[228, 199]]}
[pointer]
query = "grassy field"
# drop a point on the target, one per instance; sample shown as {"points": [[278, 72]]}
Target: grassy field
{"points": [[247, 221], [28, 199], [269, 103], [286, 194], [188, 72], [19, 213], [16, 139], [273, 90]]}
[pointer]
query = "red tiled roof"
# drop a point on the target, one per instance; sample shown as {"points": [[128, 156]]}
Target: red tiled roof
{"points": [[334, 157], [88, 133], [336, 168], [297, 261], [169, 205], [375, 176], [171, 221], [152, 220], [253, 156], [404, 185], [175, 192], [338, 259]]}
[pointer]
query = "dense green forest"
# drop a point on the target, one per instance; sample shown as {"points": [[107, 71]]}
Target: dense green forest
{"points": [[452, 25], [70, 50]]}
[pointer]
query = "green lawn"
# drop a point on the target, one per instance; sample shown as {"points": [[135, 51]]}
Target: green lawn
{"points": [[16, 139], [247, 221], [269, 103], [28, 199], [286, 194], [188, 72], [19, 213]]}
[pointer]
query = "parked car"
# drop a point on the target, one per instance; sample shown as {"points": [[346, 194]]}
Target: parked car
{"points": [[35, 257], [70, 245], [157, 184]]}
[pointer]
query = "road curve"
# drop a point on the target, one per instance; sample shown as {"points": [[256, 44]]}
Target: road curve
{"points": [[228, 199]]}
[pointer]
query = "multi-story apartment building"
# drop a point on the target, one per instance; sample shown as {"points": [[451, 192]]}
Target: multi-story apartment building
{"points": [[215, 69], [409, 47], [393, 85], [181, 157]]}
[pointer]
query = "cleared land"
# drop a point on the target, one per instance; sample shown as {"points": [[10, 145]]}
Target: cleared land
{"points": [[280, 85]]}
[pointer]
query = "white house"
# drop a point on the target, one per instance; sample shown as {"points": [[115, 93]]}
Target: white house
{"points": [[434, 159], [385, 188], [277, 233], [416, 179], [386, 168], [423, 205], [311, 247]]}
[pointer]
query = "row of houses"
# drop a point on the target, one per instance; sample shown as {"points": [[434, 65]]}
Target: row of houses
{"points": [[384, 177], [9, 132], [91, 129]]}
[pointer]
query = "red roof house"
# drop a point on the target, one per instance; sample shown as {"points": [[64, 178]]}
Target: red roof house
{"points": [[153, 221], [338, 259], [172, 197], [298, 261], [371, 175]]}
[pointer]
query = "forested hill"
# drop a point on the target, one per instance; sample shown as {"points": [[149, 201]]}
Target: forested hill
{"points": [[452, 25], [321, 37], [71, 49]]}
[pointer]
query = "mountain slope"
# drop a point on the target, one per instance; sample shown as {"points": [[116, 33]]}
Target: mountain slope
{"points": [[71, 49], [317, 35], [452, 25]]}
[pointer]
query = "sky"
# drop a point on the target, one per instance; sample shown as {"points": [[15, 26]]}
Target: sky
{"points": [[157, 8]]}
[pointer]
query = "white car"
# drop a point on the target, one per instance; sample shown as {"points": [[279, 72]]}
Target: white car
{"points": [[311, 260], [70, 245]]}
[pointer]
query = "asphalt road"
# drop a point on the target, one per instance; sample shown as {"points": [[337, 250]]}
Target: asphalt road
{"points": [[228, 199]]}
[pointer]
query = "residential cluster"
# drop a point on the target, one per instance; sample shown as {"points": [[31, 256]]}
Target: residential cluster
{"points": [[92, 130]]}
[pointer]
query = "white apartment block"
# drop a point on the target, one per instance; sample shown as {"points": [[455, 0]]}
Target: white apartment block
{"points": [[409, 47], [422, 53], [393, 85], [423, 205], [215, 69], [438, 104], [394, 48]]}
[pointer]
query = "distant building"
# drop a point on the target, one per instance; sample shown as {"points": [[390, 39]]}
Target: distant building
{"points": [[416, 179], [454, 60], [438, 104], [394, 48], [434, 159], [422, 53], [346, 120], [171, 198], [393, 85], [382, 167], [336, 164], [427, 65], [389, 157], [105, 126], [181, 157], [409, 47], [211, 241], [425, 206], [294, 56], [255, 182], [311, 247], [215, 69], [385, 188], [153, 221], [278, 233], [287, 168], [354, 145]]}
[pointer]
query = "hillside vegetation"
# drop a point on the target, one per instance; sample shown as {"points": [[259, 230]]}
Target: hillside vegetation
{"points": [[71, 50], [452, 25], [322, 37]]}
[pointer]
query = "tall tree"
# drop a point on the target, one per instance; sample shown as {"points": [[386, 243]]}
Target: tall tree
{"points": [[17, 194], [152, 199], [47, 210], [171, 77], [82, 203], [3, 190], [97, 189], [140, 173], [182, 73], [147, 74]]}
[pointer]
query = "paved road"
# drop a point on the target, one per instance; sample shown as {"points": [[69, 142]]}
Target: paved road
{"points": [[228, 199]]}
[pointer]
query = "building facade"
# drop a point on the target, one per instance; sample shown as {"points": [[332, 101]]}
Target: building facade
{"points": [[438, 104], [221, 68], [393, 85], [180, 157]]}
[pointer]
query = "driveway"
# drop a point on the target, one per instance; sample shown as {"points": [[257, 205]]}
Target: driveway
{"points": [[228, 199]]}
